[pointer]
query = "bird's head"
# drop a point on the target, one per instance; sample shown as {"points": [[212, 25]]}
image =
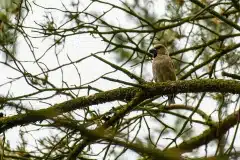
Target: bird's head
{"points": [[158, 49]]}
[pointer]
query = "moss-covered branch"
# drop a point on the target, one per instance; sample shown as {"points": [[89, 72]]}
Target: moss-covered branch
{"points": [[151, 89]]}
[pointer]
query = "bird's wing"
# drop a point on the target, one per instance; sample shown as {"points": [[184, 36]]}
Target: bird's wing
{"points": [[165, 69], [154, 70], [170, 69]]}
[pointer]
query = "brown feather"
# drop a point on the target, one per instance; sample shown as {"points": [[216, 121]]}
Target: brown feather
{"points": [[163, 68]]}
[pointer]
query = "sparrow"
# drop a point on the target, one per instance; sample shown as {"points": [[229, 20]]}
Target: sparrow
{"points": [[162, 67]]}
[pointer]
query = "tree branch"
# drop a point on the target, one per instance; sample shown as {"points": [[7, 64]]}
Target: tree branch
{"points": [[126, 94]]}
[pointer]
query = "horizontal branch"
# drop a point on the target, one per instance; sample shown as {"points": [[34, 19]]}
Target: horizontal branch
{"points": [[125, 94], [234, 76]]}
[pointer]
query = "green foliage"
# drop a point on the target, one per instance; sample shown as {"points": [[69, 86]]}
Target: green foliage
{"points": [[10, 15]]}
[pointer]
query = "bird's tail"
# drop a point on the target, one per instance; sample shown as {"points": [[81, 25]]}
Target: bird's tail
{"points": [[171, 99]]}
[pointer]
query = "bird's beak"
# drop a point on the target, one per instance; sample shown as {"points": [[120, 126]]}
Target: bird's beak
{"points": [[153, 52]]}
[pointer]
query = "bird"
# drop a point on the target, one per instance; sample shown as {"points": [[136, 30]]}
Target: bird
{"points": [[163, 67]]}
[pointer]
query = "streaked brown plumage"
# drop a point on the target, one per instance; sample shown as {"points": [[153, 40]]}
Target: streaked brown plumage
{"points": [[162, 67]]}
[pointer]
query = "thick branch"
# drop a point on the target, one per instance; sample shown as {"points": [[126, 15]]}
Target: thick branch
{"points": [[234, 76], [151, 89]]}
